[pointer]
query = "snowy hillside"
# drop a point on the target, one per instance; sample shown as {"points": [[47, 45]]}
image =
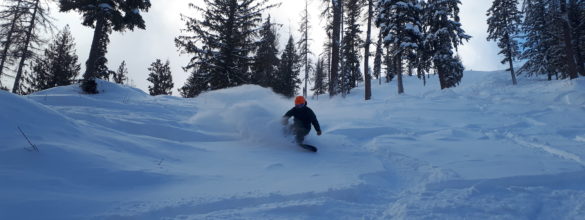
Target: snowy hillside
{"points": [[484, 150]]}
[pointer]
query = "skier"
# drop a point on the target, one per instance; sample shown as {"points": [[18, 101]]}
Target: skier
{"points": [[303, 118]]}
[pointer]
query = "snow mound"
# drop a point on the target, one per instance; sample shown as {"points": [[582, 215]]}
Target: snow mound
{"points": [[30, 116], [107, 90]]}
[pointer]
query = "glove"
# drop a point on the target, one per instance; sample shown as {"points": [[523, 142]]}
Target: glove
{"points": [[284, 121], [318, 133]]}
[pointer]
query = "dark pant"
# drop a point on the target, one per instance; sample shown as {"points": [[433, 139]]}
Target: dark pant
{"points": [[299, 132]]}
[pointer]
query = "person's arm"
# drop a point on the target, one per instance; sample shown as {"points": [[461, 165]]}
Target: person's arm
{"points": [[315, 123], [287, 116]]}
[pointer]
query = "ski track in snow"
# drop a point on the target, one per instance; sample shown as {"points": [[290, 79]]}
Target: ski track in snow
{"points": [[484, 150]]}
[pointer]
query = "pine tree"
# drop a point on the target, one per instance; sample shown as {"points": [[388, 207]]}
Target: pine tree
{"points": [[351, 44], [568, 38], [537, 47], [35, 14], [336, 6], [577, 22], [104, 16], [11, 26], [327, 15], [320, 85], [63, 60], [303, 45], [390, 64], [35, 78], [554, 36], [196, 84], [121, 75], [222, 42], [265, 66], [400, 24], [31, 79], [288, 77], [503, 26], [57, 67], [161, 78], [423, 61], [443, 34]]}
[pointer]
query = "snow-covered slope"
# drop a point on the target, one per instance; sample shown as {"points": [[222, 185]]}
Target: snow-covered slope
{"points": [[484, 150]]}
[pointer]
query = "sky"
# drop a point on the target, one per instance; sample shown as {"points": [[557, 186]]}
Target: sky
{"points": [[163, 23]]}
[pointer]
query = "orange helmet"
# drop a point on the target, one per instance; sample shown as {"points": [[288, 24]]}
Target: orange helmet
{"points": [[300, 100]]}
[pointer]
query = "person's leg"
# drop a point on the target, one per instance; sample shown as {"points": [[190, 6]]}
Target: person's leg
{"points": [[300, 134]]}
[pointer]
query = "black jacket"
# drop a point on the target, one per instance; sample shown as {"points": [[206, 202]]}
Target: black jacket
{"points": [[303, 117]]}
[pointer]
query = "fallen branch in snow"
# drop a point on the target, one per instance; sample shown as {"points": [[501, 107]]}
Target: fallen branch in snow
{"points": [[34, 147]]}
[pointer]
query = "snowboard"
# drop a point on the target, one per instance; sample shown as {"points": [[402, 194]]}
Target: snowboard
{"points": [[309, 147]]}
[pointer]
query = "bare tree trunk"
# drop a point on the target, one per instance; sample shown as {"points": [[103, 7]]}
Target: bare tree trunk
{"points": [[514, 81], [90, 64], [9, 39], [579, 59], [441, 73], [25, 49], [511, 61], [335, 47], [424, 78], [344, 76], [368, 77], [398, 62]]}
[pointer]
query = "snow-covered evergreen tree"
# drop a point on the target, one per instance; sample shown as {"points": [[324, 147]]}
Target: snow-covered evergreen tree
{"points": [[553, 44], [538, 41], [351, 45], [222, 41], [265, 66], [161, 78], [104, 16], [289, 70], [443, 35], [400, 24], [503, 21], [390, 65], [121, 75]]}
